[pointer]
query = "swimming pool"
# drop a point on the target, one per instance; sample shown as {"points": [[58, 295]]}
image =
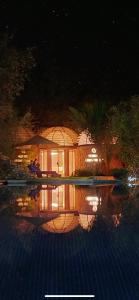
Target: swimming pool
{"points": [[69, 240]]}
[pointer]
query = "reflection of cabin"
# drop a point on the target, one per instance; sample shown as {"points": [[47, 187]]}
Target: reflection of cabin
{"points": [[62, 223], [62, 150], [65, 208]]}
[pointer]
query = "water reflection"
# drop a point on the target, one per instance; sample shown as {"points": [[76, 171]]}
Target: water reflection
{"points": [[97, 252], [61, 209]]}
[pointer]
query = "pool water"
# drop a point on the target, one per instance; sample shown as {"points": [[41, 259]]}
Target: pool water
{"points": [[69, 240]]}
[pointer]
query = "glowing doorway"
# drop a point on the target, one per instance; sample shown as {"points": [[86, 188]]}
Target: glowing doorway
{"points": [[57, 161], [43, 160]]}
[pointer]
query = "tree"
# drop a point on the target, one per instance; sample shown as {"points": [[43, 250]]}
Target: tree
{"points": [[14, 71], [14, 68], [94, 118], [125, 126]]}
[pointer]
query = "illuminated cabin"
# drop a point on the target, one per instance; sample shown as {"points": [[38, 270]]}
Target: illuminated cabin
{"points": [[62, 158], [62, 150]]}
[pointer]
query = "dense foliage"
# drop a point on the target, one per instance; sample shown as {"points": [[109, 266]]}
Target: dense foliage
{"points": [[14, 71], [125, 126]]}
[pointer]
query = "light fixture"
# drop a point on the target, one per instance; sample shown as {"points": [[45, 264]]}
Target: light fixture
{"points": [[54, 204], [95, 159], [91, 198], [92, 155], [54, 152], [89, 159], [93, 150]]}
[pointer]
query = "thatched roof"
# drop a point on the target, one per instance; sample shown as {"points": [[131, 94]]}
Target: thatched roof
{"points": [[38, 140], [63, 136]]}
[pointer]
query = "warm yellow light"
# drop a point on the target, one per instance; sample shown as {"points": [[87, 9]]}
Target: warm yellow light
{"points": [[93, 201], [54, 152], [92, 155], [95, 159], [20, 204], [17, 160], [91, 198], [94, 208], [19, 200], [54, 204], [89, 160], [93, 150]]}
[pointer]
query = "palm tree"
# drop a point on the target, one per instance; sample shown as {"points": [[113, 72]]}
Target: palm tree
{"points": [[94, 118]]}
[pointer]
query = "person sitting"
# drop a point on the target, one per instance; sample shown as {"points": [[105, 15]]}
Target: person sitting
{"points": [[33, 167]]}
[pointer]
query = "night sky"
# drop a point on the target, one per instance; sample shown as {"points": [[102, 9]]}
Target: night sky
{"points": [[83, 51]]}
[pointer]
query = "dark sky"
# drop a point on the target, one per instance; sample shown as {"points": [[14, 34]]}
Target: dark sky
{"points": [[83, 50]]}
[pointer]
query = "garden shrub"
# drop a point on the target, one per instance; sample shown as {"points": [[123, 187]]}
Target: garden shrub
{"points": [[83, 173], [119, 173], [121, 190], [87, 173], [14, 172]]}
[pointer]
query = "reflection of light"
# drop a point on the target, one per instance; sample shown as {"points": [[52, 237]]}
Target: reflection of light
{"points": [[94, 208], [116, 219], [54, 204], [131, 184], [93, 201], [91, 198], [86, 221], [131, 178]]}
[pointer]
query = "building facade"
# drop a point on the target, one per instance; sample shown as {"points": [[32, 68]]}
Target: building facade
{"points": [[64, 151]]}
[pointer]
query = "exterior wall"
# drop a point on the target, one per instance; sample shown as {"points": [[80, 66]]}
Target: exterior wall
{"points": [[67, 139], [115, 163], [81, 154]]}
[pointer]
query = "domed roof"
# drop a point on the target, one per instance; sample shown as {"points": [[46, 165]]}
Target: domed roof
{"points": [[62, 224], [60, 135]]}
